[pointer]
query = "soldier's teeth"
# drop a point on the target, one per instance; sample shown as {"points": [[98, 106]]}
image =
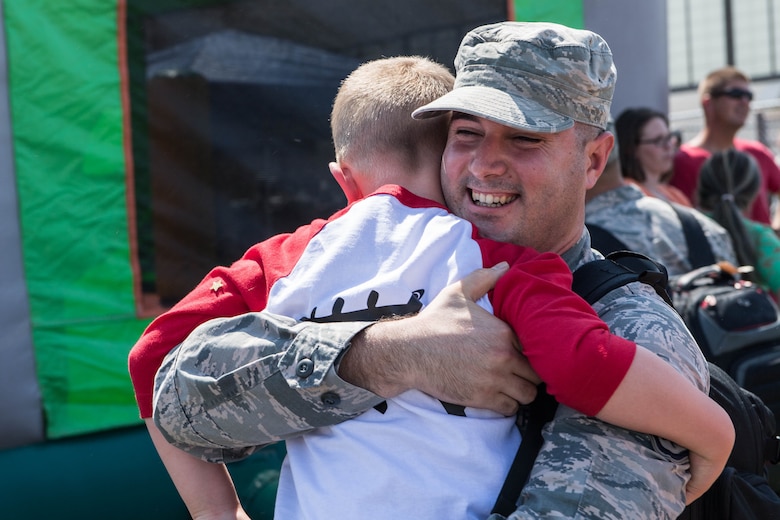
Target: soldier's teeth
{"points": [[487, 199]]}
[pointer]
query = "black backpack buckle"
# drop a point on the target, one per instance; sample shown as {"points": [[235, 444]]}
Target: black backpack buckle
{"points": [[772, 448]]}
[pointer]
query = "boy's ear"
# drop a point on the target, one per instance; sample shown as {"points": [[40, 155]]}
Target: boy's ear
{"points": [[346, 181]]}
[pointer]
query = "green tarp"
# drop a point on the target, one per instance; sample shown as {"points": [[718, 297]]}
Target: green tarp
{"points": [[65, 97], [566, 12]]}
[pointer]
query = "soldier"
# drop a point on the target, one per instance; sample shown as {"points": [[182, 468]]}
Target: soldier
{"points": [[519, 156]]}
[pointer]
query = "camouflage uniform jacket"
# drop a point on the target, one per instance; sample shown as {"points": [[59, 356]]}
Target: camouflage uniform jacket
{"points": [[588, 469], [650, 226]]}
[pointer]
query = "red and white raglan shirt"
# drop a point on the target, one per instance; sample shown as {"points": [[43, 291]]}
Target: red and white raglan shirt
{"points": [[390, 254]]}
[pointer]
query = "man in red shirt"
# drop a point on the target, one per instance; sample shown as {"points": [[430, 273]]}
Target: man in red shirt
{"points": [[725, 98]]}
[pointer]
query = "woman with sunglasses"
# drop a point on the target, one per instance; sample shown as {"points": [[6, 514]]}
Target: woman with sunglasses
{"points": [[725, 98], [647, 151]]}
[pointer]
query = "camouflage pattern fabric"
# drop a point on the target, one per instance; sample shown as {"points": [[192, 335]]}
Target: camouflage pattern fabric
{"points": [[237, 384], [533, 76], [649, 226], [588, 469]]}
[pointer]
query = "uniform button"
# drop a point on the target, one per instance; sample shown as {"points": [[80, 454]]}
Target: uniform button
{"points": [[305, 367], [331, 399]]}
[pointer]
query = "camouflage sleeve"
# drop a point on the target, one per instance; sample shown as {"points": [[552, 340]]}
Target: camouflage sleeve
{"points": [[588, 469], [237, 384], [637, 313]]}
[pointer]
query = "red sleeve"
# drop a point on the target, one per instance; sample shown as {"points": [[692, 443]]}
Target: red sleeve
{"points": [[771, 171], [766, 162], [565, 341], [225, 291], [770, 178]]}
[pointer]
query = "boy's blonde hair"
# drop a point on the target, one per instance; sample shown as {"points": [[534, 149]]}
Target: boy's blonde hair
{"points": [[372, 112]]}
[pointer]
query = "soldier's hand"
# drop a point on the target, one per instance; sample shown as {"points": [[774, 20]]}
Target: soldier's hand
{"points": [[454, 350]]}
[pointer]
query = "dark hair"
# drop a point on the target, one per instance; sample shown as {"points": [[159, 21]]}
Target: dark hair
{"points": [[629, 126], [728, 184]]}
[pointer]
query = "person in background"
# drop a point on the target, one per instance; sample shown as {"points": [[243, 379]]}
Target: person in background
{"points": [[729, 182], [647, 149], [725, 98], [645, 224]]}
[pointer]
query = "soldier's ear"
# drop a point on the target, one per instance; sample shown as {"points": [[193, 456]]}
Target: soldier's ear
{"points": [[597, 152]]}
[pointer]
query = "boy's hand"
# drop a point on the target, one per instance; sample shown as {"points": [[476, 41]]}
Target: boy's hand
{"points": [[704, 472]]}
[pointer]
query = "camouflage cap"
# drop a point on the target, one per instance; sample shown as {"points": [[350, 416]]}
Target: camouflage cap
{"points": [[534, 76]]}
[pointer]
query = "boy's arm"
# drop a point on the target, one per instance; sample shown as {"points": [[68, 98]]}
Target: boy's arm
{"points": [[627, 386], [207, 489], [654, 398], [223, 292]]}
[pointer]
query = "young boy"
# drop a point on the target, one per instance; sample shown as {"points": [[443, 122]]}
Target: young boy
{"points": [[389, 253]]}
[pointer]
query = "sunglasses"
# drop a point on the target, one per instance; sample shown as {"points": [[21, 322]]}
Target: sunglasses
{"points": [[733, 93]]}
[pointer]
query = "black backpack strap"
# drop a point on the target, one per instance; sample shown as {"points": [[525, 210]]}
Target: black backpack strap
{"points": [[591, 281], [603, 241], [536, 415], [699, 249]]}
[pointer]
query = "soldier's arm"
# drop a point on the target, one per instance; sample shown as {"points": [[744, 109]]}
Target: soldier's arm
{"points": [[285, 369], [305, 353], [311, 375]]}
